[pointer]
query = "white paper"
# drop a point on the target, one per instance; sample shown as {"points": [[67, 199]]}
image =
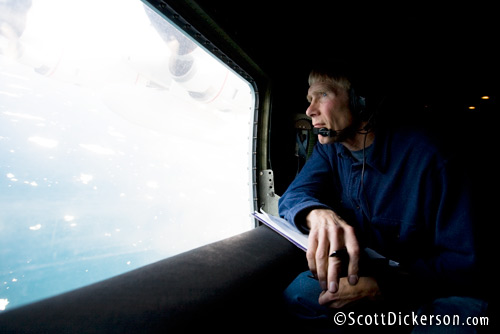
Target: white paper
{"points": [[283, 227]]}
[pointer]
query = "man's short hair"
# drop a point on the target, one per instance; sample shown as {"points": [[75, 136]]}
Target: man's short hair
{"points": [[340, 74], [337, 80]]}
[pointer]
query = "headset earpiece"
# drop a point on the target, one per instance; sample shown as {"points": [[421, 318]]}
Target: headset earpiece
{"points": [[357, 105]]}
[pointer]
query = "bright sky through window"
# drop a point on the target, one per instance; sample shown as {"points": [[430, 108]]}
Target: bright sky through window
{"points": [[122, 141]]}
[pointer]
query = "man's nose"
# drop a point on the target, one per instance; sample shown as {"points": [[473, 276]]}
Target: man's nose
{"points": [[312, 110]]}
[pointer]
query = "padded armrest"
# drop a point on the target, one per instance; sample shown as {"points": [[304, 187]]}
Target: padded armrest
{"points": [[236, 280]]}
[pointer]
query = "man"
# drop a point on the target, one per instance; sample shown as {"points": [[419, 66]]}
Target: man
{"points": [[395, 192]]}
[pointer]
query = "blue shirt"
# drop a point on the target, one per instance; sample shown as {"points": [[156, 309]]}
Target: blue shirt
{"points": [[412, 206]]}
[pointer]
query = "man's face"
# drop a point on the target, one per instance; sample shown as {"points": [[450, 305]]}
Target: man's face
{"points": [[328, 108]]}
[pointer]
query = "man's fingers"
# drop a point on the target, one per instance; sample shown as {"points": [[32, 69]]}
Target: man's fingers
{"points": [[334, 268], [326, 298], [352, 246], [321, 259], [353, 269], [351, 249], [334, 261], [311, 253], [330, 233]]}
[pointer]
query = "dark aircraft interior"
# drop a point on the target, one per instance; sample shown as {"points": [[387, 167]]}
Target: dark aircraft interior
{"points": [[426, 64]]}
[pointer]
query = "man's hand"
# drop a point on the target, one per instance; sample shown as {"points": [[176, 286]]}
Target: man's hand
{"points": [[329, 233], [367, 287]]}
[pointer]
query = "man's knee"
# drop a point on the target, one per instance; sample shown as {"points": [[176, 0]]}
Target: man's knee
{"points": [[301, 298]]}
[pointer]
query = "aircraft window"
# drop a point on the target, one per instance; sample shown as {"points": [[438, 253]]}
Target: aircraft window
{"points": [[123, 142]]}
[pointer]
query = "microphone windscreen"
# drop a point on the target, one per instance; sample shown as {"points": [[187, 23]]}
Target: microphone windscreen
{"points": [[325, 132]]}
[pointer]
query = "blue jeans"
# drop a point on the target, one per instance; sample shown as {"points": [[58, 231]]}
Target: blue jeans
{"points": [[301, 299]]}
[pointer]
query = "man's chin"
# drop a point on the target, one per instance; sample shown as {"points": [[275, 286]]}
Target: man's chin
{"points": [[326, 140]]}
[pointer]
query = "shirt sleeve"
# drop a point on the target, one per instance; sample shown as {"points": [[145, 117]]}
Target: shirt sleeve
{"points": [[312, 188]]}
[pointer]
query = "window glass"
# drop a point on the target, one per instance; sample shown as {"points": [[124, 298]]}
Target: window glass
{"points": [[122, 142]]}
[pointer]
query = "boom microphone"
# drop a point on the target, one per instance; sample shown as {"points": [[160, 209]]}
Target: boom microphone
{"points": [[325, 132]]}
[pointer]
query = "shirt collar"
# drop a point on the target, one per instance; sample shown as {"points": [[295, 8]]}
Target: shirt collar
{"points": [[378, 157]]}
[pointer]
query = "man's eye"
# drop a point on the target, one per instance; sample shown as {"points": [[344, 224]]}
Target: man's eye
{"points": [[323, 94]]}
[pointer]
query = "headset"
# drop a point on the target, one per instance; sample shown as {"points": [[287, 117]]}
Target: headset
{"points": [[357, 104]]}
